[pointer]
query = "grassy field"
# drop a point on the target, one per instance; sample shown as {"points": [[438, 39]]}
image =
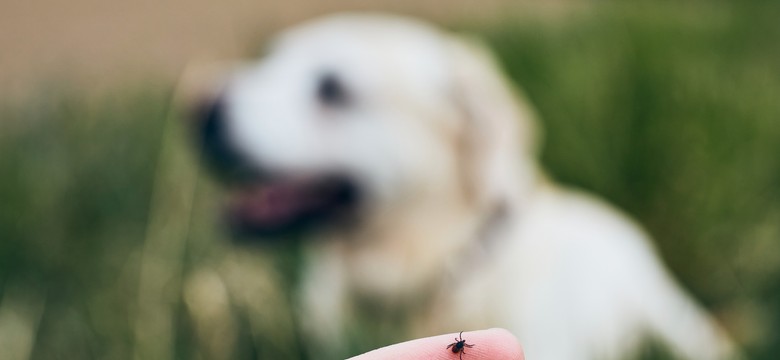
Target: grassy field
{"points": [[108, 231]]}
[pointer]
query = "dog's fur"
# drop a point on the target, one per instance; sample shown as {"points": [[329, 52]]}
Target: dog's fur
{"points": [[455, 219]]}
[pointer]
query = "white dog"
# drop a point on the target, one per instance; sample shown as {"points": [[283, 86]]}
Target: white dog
{"points": [[408, 162]]}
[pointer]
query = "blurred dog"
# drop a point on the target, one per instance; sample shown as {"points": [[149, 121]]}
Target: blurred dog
{"points": [[408, 163]]}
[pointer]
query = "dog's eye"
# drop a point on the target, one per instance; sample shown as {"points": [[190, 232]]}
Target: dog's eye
{"points": [[331, 91]]}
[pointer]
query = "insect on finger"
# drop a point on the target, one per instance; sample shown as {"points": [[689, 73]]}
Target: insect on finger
{"points": [[458, 347]]}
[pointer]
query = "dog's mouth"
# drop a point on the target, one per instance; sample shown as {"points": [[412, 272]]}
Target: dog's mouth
{"points": [[291, 205]]}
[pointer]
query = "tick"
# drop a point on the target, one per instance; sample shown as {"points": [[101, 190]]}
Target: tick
{"points": [[459, 346]]}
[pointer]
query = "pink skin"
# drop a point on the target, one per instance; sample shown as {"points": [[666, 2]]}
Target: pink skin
{"points": [[497, 344]]}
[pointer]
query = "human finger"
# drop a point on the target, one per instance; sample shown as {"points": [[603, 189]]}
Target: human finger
{"points": [[496, 344]]}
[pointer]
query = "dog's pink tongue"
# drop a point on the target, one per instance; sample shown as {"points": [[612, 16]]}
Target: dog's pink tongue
{"points": [[266, 204]]}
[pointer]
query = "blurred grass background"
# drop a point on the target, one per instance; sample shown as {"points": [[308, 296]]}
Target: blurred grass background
{"points": [[109, 240]]}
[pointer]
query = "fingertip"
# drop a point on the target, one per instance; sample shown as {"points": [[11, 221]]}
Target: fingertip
{"points": [[489, 344], [508, 344], [493, 344]]}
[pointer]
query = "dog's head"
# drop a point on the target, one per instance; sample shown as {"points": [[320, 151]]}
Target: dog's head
{"points": [[355, 116]]}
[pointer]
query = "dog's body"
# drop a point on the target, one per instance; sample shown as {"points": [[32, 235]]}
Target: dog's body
{"points": [[421, 161]]}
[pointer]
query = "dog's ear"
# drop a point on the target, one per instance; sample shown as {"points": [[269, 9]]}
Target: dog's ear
{"points": [[499, 138]]}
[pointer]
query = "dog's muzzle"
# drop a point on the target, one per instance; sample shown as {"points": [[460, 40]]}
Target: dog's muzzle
{"points": [[223, 159], [264, 204]]}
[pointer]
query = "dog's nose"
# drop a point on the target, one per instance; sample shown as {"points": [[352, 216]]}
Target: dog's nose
{"points": [[218, 151]]}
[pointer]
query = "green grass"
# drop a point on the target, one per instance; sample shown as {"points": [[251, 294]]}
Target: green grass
{"points": [[669, 111]]}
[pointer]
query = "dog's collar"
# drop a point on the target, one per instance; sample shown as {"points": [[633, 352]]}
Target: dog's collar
{"points": [[488, 230], [482, 243]]}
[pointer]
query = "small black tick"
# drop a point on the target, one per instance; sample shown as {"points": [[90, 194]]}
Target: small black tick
{"points": [[459, 345]]}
